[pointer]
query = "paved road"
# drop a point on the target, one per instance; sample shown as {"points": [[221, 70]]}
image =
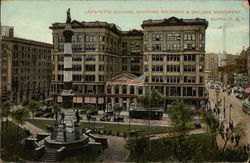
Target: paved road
{"points": [[237, 115], [115, 151]]}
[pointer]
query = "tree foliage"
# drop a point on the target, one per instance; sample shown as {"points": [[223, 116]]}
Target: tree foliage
{"points": [[20, 116], [56, 109], [32, 106], [151, 100], [180, 115], [5, 113], [89, 109]]}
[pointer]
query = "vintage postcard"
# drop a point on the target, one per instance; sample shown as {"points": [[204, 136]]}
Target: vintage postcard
{"points": [[125, 80]]}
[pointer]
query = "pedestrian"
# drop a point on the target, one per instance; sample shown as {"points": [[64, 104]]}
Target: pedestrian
{"points": [[218, 111]]}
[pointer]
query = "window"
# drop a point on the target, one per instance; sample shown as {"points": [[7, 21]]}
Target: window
{"points": [[173, 68], [124, 60], [109, 89], [157, 57], [175, 91], [116, 90], [145, 37], [77, 77], [172, 79], [157, 79], [89, 58], [124, 68], [124, 44], [202, 58], [135, 60], [60, 48], [135, 68], [101, 77], [101, 67], [201, 69], [101, 57], [201, 91], [90, 38], [173, 47], [157, 68], [77, 58], [140, 90], [89, 78], [189, 57], [60, 77], [102, 48], [189, 79], [90, 68], [76, 68], [201, 79], [90, 47], [189, 91], [132, 90], [189, 68], [173, 36], [60, 67], [156, 47], [158, 37], [102, 38], [173, 58], [193, 36], [76, 47], [124, 89], [202, 36]]}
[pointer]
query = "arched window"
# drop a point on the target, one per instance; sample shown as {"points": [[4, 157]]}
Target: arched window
{"points": [[109, 89], [116, 89], [124, 89], [132, 90]]}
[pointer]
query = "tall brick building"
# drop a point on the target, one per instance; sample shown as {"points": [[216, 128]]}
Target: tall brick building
{"points": [[25, 69], [170, 52]]}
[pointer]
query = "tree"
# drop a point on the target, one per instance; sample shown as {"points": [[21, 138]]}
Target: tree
{"points": [[20, 116], [5, 112], [151, 100], [89, 110], [137, 145], [181, 144], [180, 115], [213, 124], [56, 109], [118, 109], [32, 106]]}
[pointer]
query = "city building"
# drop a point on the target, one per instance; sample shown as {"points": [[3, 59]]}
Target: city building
{"points": [[25, 69], [241, 70], [248, 65], [211, 67], [170, 52]]}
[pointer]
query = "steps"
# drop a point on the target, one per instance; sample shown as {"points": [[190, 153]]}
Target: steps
{"points": [[48, 156]]}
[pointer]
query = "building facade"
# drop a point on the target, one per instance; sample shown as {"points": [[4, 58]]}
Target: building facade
{"points": [[25, 69], [170, 52], [211, 67]]}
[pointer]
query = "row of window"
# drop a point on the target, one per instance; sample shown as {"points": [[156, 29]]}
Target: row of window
{"points": [[176, 79], [175, 36], [173, 47], [176, 68], [79, 58], [88, 78]]}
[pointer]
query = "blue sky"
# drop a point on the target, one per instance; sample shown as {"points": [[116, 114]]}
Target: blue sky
{"points": [[31, 19]]}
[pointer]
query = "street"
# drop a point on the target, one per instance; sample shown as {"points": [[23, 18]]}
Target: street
{"points": [[237, 115]]}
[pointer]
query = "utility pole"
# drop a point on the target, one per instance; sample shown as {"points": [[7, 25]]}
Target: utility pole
{"points": [[224, 107]]}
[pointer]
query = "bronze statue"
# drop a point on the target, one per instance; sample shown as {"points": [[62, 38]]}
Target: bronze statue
{"points": [[68, 21]]}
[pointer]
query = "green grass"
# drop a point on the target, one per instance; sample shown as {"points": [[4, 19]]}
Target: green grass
{"points": [[121, 128], [9, 136], [204, 150]]}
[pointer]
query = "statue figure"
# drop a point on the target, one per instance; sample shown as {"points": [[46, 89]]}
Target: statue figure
{"points": [[77, 116], [62, 117], [68, 21]]}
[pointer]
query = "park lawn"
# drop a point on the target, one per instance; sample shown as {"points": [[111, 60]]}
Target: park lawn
{"points": [[121, 128], [205, 151], [9, 136]]}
